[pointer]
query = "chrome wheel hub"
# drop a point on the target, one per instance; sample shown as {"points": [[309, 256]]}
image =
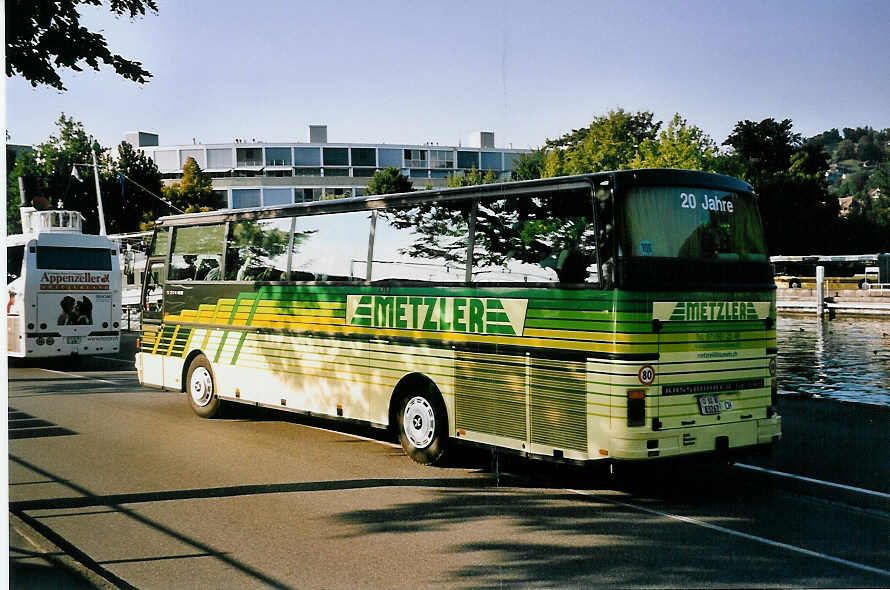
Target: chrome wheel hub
{"points": [[419, 422], [201, 386]]}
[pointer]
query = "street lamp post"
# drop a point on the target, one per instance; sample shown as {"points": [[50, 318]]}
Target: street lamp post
{"points": [[93, 149]]}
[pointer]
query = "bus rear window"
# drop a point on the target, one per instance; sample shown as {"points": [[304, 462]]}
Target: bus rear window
{"points": [[64, 258], [690, 223]]}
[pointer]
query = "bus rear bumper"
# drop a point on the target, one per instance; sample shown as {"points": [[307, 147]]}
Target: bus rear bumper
{"points": [[59, 346], [746, 435]]}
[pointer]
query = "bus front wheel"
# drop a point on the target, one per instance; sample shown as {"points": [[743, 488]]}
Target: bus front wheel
{"points": [[201, 388], [794, 284], [423, 428]]}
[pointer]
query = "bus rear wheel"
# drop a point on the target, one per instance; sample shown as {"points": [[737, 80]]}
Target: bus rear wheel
{"points": [[201, 388], [794, 284], [423, 427]]}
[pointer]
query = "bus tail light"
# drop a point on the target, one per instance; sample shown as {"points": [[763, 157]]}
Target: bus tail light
{"points": [[773, 397], [636, 407]]}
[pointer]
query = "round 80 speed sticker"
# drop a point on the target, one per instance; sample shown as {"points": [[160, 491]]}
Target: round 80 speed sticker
{"points": [[646, 375]]}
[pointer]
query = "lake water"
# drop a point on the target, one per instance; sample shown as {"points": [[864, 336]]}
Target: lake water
{"points": [[844, 359]]}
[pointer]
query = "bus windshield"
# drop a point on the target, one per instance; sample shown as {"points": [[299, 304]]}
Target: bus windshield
{"points": [[64, 258], [689, 223]]}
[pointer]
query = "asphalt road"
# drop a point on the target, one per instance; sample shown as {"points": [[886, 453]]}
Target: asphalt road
{"points": [[142, 493]]}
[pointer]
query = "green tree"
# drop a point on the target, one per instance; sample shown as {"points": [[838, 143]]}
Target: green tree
{"points": [[610, 142], [679, 145], [43, 36], [194, 192], [47, 174], [389, 181], [139, 187], [846, 150], [789, 177], [867, 149], [471, 177], [529, 166], [49, 182]]}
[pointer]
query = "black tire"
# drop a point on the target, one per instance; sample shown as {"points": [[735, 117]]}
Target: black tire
{"points": [[200, 388], [863, 284], [423, 425], [794, 284]]}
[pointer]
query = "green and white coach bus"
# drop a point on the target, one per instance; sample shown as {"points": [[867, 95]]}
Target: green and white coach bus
{"points": [[614, 316]]}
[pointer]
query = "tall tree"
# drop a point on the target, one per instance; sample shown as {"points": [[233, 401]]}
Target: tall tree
{"points": [[388, 181], [139, 189], [679, 145], [43, 36], [610, 142], [529, 166], [47, 175], [194, 192], [789, 177]]}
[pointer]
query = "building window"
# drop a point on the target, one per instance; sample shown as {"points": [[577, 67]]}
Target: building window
{"points": [[219, 158], [307, 171], [242, 197], [307, 195], [510, 160], [278, 156], [491, 161], [389, 158], [336, 171], [336, 156], [416, 173], [363, 172], [415, 158], [249, 156], [277, 196], [304, 156], [467, 159], [167, 160], [279, 173], [441, 159], [364, 157]]}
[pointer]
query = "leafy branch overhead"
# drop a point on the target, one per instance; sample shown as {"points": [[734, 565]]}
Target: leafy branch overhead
{"points": [[43, 36]]}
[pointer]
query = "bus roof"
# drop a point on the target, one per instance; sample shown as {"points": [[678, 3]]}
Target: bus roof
{"points": [[621, 178]]}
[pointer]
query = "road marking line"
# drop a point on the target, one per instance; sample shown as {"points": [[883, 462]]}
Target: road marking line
{"points": [[81, 376], [735, 533], [817, 481]]}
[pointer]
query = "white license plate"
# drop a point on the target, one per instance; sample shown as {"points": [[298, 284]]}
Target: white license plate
{"points": [[72, 339], [711, 405]]}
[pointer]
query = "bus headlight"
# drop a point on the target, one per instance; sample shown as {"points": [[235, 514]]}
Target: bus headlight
{"points": [[50, 340]]}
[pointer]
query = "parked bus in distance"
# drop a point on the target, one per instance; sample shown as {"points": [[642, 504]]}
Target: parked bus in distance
{"points": [[614, 316], [63, 288], [858, 271]]}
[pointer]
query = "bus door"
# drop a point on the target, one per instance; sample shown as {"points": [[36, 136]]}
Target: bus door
{"points": [[152, 316]]}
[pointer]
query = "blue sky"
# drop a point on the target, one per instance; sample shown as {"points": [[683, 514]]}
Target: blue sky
{"points": [[399, 72]]}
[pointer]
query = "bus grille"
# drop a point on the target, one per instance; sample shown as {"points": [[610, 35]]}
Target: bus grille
{"points": [[505, 395], [489, 394], [559, 404]]}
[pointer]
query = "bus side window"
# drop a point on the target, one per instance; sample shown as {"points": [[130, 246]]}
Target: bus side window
{"points": [[544, 239], [196, 251], [426, 243], [257, 251]]}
